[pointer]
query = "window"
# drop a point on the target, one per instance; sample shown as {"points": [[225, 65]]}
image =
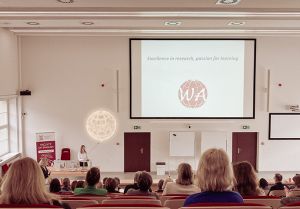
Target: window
{"points": [[8, 125], [4, 136]]}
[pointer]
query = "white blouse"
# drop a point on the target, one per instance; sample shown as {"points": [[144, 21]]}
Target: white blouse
{"points": [[82, 157]]}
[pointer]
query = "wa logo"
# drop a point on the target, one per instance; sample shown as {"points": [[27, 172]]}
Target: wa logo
{"points": [[192, 94]]}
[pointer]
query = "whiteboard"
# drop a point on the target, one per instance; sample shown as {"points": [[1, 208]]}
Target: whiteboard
{"points": [[182, 144], [284, 126]]}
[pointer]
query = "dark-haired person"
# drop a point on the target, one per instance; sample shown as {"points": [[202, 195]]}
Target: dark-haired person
{"points": [[184, 183], [111, 185], [92, 179], [118, 183], [73, 185], [144, 183], [264, 185], [80, 184], [54, 186], [160, 186], [278, 183], [246, 180]]}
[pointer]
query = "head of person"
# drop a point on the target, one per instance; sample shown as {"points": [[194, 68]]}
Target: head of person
{"points": [[144, 181], [278, 177], [263, 183], [44, 162], [110, 185], [246, 180], [73, 185], [296, 180], [66, 183], [92, 176], [185, 174], [82, 149], [104, 180], [136, 176], [160, 184], [54, 186], [117, 180], [24, 183], [214, 171], [80, 184]]}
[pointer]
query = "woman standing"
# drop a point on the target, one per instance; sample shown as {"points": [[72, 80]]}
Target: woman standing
{"points": [[82, 157]]}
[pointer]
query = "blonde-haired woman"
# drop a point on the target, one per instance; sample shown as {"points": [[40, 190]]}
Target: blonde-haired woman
{"points": [[44, 163], [24, 184], [215, 179], [184, 182], [82, 157]]}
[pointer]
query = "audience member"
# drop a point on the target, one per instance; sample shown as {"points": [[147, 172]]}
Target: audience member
{"points": [[66, 185], [278, 183], [44, 163], [293, 195], [246, 180], [118, 183], [166, 181], [263, 184], [92, 179], [134, 185], [80, 184], [111, 185], [215, 179], [54, 186], [104, 180], [144, 183], [184, 182], [25, 184], [73, 185], [159, 186]]}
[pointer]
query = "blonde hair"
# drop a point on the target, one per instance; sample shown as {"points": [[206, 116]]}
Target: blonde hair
{"points": [[81, 148], [24, 183], [185, 174], [215, 171]]}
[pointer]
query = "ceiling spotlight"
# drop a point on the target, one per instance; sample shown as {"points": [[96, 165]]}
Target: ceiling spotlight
{"points": [[65, 1], [172, 23], [32, 23], [228, 2], [236, 23], [87, 23]]}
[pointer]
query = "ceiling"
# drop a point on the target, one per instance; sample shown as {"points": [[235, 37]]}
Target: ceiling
{"points": [[148, 17]]}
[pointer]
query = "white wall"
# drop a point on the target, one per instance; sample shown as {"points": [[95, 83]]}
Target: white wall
{"points": [[8, 63], [65, 73]]}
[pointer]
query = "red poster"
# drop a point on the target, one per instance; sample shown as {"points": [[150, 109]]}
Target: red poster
{"points": [[45, 146]]}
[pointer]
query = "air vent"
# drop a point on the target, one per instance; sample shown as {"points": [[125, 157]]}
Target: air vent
{"points": [[228, 2]]}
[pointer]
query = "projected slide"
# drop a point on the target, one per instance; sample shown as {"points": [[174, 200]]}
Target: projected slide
{"points": [[192, 78]]}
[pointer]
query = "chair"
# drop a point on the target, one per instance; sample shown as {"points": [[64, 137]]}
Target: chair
{"points": [[65, 154], [163, 198], [98, 198], [123, 206], [226, 206], [132, 201], [272, 201], [78, 202], [277, 193], [35, 206], [175, 202], [294, 193], [295, 205]]}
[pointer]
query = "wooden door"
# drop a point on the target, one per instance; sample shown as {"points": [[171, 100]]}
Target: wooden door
{"points": [[244, 147], [137, 151]]}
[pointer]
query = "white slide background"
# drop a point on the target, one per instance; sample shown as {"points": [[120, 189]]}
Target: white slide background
{"points": [[161, 79]]}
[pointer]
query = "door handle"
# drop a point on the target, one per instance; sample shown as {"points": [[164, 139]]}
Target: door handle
{"points": [[239, 150], [142, 150]]}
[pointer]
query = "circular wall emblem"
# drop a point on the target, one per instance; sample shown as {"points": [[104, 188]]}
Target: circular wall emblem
{"points": [[192, 94], [101, 125]]}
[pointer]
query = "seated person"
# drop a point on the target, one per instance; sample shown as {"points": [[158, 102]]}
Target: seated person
{"points": [[92, 179], [73, 185], [80, 184], [184, 182], [293, 195], [134, 185], [263, 184], [66, 185], [246, 180], [159, 186], [278, 183], [215, 179], [54, 186], [118, 183], [144, 183], [111, 185]]}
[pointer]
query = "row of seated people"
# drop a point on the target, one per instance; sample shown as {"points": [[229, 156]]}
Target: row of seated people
{"points": [[217, 182]]}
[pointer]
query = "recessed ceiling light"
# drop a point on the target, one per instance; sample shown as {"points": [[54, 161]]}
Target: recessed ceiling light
{"points": [[172, 23], [87, 23], [228, 2], [236, 23], [32, 23], [65, 1]]}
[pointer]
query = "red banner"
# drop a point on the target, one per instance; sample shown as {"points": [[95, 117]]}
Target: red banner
{"points": [[45, 146]]}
